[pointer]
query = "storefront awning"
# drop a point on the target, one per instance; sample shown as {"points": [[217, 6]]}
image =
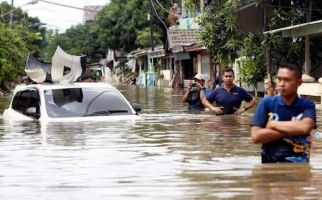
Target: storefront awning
{"points": [[181, 56], [300, 30]]}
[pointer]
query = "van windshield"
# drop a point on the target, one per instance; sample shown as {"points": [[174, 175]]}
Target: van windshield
{"points": [[84, 102]]}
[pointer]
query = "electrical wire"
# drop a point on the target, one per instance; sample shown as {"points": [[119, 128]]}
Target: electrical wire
{"points": [[157, 15], [68, 6]]}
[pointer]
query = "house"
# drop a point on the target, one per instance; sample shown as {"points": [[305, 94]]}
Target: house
{"points": [[189, 56], [153, 67], [90, 13]]}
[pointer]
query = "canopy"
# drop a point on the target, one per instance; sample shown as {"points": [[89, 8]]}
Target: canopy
{"points": [[66, 67], [38, 71]]}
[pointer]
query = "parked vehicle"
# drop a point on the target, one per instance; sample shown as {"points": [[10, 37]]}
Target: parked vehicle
{"points": [[70, 102]]}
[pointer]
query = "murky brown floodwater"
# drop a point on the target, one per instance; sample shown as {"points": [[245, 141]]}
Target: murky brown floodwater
{"points": [[171, 154]]}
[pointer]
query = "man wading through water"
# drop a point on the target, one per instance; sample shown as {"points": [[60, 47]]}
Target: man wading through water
{"points": [[192, 95], [228, 97], [283, 123]]}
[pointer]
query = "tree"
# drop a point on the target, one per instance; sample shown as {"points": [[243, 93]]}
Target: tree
{"points": [[123, 25], [221, 34], [26, 35], [13, 54], [224, 40], [77, 40], [27, 25], [253, 68]]}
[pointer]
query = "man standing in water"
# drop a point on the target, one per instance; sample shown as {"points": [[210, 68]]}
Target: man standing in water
{"points": [[192, 95], [283, 123], [228, 97]]}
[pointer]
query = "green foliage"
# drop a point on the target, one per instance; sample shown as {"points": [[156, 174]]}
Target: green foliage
{"points": [[284, 49], [124, 26], [225, 41], [253, 66], [189, 4], [77, 40], [221, 35], [252, 72], [281, 18], [144, 37], [25, 35], [13, 53], [30, 27]]}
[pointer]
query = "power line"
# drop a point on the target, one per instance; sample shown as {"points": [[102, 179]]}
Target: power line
{"points": [[68, 6], [157, 15]]}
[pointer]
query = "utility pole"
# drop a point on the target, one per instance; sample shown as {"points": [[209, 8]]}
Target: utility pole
{"points": [[268, 58], [150, 72], [151, 24], [11, 14], [308, 17]]}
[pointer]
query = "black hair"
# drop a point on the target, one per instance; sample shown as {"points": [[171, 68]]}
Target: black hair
{"points": [[297, 69], [228, 69]]}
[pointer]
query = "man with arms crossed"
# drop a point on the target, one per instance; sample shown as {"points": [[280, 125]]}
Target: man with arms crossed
{"points": [[283, 123]]}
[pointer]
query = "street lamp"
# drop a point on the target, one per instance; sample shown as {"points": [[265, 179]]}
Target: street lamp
{"points": [[11, 11]]}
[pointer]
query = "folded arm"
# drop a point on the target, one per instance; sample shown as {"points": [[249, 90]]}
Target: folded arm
{"points": [[264, 135], [277, 129], [294, 127]]}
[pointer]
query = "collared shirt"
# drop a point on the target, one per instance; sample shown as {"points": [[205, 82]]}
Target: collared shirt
{"points": [[275, 108], [229, 99]]}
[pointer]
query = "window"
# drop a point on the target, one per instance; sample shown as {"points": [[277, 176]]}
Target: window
{"points": [[27, 99], [82, 102]]}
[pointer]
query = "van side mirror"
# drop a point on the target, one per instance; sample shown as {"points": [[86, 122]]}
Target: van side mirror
{"points": [[31, 111], [137, 107]]}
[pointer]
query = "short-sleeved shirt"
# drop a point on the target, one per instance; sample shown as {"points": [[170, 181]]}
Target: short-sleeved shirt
{"points": [[283, 150], [229, 99]]}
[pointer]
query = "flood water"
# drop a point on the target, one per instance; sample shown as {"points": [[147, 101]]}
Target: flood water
{"points": [[170, 154]]}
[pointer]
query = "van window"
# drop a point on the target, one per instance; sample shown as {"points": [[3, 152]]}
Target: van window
{"points": [[26, 99]]}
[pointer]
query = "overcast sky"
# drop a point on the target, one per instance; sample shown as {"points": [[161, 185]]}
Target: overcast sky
{"points": [[57, 17]]}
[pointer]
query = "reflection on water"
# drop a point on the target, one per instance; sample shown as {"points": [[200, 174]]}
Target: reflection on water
{"points": [[171, 154]]}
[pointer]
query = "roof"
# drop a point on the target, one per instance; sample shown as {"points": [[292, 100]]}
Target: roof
{"points": [[309, 28], [158, 51], [183, 37], [194, 47], [47, 86]]}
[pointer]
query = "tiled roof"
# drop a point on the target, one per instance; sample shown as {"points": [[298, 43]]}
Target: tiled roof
{"points": [[183, 37]]}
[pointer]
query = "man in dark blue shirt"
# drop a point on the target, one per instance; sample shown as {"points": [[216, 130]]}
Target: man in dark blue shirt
{"points": [[283, 123], [228, 97]]}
